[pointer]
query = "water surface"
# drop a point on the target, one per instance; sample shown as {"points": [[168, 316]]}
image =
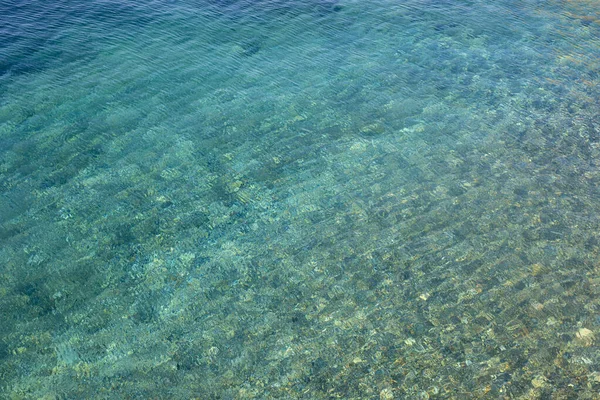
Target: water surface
{"points": [[299, 199]]}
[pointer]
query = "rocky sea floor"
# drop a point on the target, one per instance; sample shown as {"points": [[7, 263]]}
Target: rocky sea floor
{"points": [[332, 200]]}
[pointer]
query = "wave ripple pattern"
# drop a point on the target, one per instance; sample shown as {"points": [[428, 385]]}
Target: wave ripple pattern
{"points": [[309, 199]]}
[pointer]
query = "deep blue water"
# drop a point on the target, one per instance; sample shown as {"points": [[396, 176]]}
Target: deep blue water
{"points": [[299, 199]]}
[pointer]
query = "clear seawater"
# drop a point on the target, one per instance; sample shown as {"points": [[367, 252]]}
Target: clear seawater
{"points": [[303, 199]]}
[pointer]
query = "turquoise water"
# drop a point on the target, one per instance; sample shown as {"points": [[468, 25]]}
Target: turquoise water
{"points": [[220, 199]]}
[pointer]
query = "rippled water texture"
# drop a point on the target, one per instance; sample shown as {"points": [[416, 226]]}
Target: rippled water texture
{"points": [[222, 199]]}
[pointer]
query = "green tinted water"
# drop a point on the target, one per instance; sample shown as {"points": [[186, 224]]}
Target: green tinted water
{"points": [[222, 200]]}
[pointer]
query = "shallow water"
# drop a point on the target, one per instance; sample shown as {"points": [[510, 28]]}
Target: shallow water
{"points": [[299, 199]]}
